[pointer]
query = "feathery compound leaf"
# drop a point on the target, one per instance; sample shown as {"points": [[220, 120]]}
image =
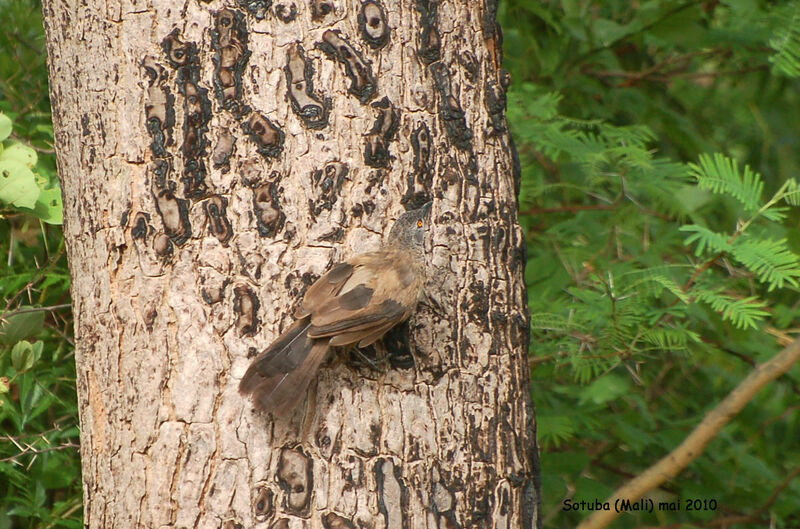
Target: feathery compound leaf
{"points": [[743, 313], [669, 339], [787, 47], [650, 282], [555, 429], [770, 260], [792, 193], [705, 238], [721, 175], [554, 322]]}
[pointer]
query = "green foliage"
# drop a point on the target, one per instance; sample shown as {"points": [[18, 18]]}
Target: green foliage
{"points": [[39, 461], [786, 44], [28, 182], [660, 271], [21, 189]]}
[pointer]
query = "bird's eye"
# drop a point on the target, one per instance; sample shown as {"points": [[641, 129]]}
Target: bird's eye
{"points": [[419, 224]]}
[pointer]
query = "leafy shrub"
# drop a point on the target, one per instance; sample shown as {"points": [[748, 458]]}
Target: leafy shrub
{"points": [[660, 270]]}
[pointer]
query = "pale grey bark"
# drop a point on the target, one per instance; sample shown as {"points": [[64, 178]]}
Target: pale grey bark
{"points": [[202, 195]]}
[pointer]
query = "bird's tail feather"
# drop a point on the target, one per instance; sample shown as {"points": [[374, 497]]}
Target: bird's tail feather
{"points": [[278, 378]]}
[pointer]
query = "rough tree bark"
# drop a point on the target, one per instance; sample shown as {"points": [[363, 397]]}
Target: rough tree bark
{"points": [[216, 157]]}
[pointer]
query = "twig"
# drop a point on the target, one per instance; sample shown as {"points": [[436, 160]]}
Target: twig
{"points": [[674, 462], [34, 309], [37, 451], [38, 275]]}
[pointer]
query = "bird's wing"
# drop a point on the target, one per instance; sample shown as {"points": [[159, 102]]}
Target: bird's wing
{"points": [[326, 286], [366, 336], [279, 392], [380, 292], [284, 355], [279, 376]]}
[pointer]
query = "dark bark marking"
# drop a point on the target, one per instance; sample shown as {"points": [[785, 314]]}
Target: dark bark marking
{"points": [[229, 40], [429, 49], [443, 498], [161, 169], [482, 439], [263, 503], [481, 500], [324, 442], [468, 60], [531, 503], [477, 305], [311, 109], [384, 130], [159, 110], [150, 319], [216, 215], [422, 144], [140, 228], [184, 58], [490, 25], [420, 181], [266, 208], [451, 177], [450, 111], [321, 9], [246, 305], [335, 521], [372, 24], [398, 349], [375, 179], [495, 101], [286, 14], [297, 284], [516, 168], [335, 235], [362, 82], [160, 118], [328, 184], [257, 8], [174, 214], [267, 136], [178, 53], [295, 477]]}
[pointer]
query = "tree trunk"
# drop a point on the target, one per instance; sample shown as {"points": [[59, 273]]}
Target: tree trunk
{"points": [[216, 158]]}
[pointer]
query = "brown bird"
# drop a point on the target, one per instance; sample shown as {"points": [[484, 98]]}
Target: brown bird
{"points": [[355, 302]]}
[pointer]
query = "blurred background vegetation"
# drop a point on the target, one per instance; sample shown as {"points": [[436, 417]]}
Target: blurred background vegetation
{"points": [[658, 145]]}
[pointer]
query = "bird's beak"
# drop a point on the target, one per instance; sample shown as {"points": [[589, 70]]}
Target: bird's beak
{"points": [[426, 208]]}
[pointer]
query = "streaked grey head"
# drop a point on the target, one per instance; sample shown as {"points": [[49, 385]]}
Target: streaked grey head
{"points": [[409, 229]]}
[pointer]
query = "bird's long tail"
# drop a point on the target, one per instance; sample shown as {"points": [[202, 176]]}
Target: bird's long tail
{"points": [[279, 376]]}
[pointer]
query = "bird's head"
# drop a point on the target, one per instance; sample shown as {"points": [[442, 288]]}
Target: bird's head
{"points": [[409, 229]]}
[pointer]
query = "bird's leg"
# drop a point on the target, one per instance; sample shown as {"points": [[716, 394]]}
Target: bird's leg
{"points": [[367, 359], [433, 304]]}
